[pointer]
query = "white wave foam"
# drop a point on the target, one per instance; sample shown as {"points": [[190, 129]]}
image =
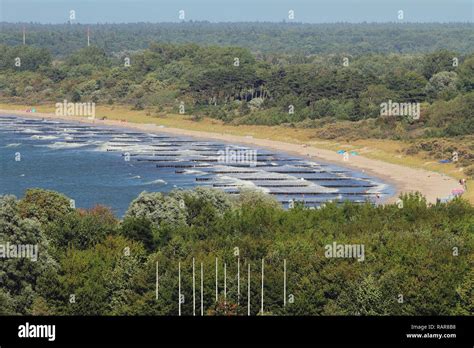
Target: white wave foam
{"points": [[157, 182], [69, 130], [31, 131], [43, 137], [193, 171], [242, 183], [62, 145], [377, 189]]}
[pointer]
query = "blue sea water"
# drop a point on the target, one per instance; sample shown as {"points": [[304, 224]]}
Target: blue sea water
{"points": [[110, 166]]}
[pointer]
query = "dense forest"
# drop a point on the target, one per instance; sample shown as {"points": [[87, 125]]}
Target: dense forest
{"points": [[235, 85], [290, 38], [338, 92], [418, 258], [309, 75]]}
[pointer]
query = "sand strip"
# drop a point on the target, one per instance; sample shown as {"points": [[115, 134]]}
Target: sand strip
{"points": [[405, 179]]}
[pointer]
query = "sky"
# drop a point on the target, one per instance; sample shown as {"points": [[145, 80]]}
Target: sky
{"points": [[308, 11]]}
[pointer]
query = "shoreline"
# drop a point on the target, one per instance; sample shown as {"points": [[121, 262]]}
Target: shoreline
{"points": [[403, 179]]}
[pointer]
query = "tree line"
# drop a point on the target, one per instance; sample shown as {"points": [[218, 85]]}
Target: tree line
{"points": [[240, 87], [290, 38], [418, 259]]}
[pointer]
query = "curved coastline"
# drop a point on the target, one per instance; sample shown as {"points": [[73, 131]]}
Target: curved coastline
{"points": [[403, 179]]}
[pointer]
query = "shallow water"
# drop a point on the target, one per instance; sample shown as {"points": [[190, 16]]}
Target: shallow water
{"points": [[111, 166]]}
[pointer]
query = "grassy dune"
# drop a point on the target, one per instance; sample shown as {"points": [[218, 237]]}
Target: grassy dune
{"points": [[390, 151]]}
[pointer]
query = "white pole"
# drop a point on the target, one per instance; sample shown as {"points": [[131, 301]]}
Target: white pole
{"points": [[238, 281], [284, 282], [202, 291], [24, 36], [225, 284], [248, 290], [157, 280], [194, 289], [261, 300], [179, 288], [217, 290]]}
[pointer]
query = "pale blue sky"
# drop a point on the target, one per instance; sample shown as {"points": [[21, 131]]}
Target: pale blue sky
{"points": [[310, 11]]}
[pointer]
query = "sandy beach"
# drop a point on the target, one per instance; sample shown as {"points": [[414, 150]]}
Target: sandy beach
{"points": [[405, 179]]}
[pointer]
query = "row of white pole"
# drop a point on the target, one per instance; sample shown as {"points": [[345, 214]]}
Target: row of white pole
{"points": [[217, 285]]}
